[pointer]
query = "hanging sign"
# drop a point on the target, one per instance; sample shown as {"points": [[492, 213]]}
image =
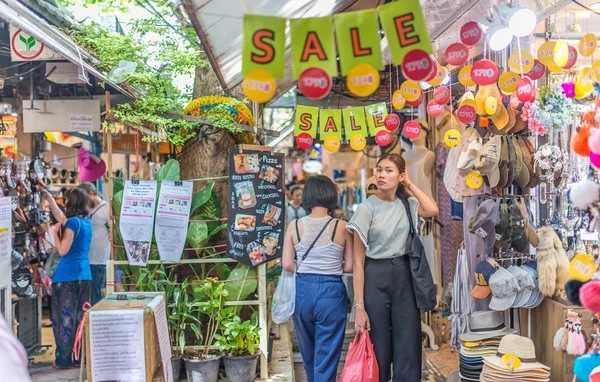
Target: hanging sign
{"points": [[332, 144], [537, 71], [306, 120], [137, 219], [256, 216], [417, 65], [555, 68], [358, 39], [572, 58], [330, 123], [474, 180], [457, 54], [452, 138], [434, 109], [417, 102], [358, 142], [314, 83], [441, 95], [491, 105], [484, 72], [464, 76], [391, 122], [411, 129], [25, 47], [263, 46], [439, 76], [375, 117], [520, 62], [172, 219], [524, 89], [470, 33], [508, 82], [405, 28], [582, 267], [398, 100], [596, 68], [434, 72], [304, 141], [259, 86], [561, 53], [466, 114], [313, 45], [585, 81], [587, 45], [410, 90], [363, 80], [383, 138], [355, 123], [545, 53]]}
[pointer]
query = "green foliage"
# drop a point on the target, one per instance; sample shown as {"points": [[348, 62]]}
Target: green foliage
{"points": [[169, 171], [214, 292], [201, 197], [242, 282], [197, 235], [239, 337]]}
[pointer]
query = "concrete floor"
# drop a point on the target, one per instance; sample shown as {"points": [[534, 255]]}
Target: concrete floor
{"points": [[40, 368]]}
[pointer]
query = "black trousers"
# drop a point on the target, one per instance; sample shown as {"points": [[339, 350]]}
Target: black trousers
{"points": [[395, 319]]}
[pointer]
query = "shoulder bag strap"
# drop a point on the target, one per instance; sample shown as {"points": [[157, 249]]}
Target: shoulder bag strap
{"points": [[317, 238], [409, 214], [98, 208]]}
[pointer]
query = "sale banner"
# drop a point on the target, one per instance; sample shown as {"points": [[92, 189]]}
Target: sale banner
{"points": [[330, 123], [307, 118], [375, 116], [263, 45], [358, 39], [405, 28], [354, 122], [313, 45]]}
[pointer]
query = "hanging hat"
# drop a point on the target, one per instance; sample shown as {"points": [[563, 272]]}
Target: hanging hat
{"points": [[91, 167]]}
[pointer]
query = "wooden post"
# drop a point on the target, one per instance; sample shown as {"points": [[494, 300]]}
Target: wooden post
{"points": [[110, 276], [262, 315]]}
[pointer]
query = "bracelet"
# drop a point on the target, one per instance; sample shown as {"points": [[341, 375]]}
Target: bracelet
{"points": [[358, 304]]}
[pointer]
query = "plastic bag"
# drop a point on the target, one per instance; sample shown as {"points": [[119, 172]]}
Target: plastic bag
{"points": [[284, 299], [361, 364]]}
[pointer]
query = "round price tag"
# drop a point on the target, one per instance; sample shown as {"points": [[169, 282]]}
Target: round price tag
{"points": [[485, 72], [433, 73], [466, 114], [410, 90], [259, 86], [417, 102], [545, 53], [383, 138], [466, 101], [520, 62], [537, 71], [417, 65], [508, 82], [585, 80], [391, 122], [596, 68], [441, 95], [411, 129], [398, 100], [363, 80], [440, 74], [470, 33], [582, 267], [358, 142], [434, 109], [572, 58], [524, 89], [491, 105], [457, 54], [452, 138], [464, 76], [472, 344], [555, 68], [510, 362], [304, 141], [314, 83], [561, 53], [474, 180], [587, 45], [332, 144]]}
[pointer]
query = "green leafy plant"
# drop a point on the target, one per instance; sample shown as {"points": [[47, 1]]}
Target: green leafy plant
{"points": [[239, 337], [213, 292]]}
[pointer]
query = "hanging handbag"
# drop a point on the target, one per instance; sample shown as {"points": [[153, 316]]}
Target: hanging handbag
{"points": [[54, 257], [425, 291]]}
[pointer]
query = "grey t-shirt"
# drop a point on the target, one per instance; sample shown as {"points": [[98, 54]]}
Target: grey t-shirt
{"points": [[383, 226]]}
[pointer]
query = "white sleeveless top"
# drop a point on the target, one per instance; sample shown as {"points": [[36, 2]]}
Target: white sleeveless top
{"points": [[326, 256]]}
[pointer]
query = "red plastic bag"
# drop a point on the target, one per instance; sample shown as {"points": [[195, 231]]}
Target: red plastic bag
{"points": [[361, 364]]}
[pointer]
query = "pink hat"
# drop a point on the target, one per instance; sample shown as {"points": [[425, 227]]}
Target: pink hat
{"points": [[91, 167]]}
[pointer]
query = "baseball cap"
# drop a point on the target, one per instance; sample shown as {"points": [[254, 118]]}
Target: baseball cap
{"points": [[536, 296], [521, 174], [503, 164], [483, 272], [467, 158], [512, 158], [518, 235], [526, 283], [504, 290], [488, 159], [483, 222], [502, 228]]}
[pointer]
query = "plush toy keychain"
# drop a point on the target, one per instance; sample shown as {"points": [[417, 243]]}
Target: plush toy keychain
{"points": [[580, 141]]}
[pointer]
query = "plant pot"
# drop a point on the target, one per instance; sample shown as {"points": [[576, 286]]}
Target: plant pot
{"points": [[272, 337], [176, 363], [202, 370], [241, 369]]}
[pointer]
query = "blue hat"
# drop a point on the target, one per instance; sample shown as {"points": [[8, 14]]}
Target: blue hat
{"points": [[483, 272]]}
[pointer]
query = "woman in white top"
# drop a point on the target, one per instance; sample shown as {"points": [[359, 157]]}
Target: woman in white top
{"points": [[323, 249]]}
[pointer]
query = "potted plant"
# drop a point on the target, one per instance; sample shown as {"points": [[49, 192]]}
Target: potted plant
{"points": [[239, 342], [204, 366]]}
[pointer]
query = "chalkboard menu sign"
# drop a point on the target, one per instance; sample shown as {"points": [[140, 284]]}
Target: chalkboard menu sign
{"points": [[256, 205]]}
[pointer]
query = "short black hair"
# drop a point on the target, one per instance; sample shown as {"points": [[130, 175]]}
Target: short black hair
{"points": [[295, 188], [320, 191]]}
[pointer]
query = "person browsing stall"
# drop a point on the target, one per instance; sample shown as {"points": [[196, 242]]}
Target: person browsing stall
{"points": [[323, 249], [383, 283], [295, 209]]}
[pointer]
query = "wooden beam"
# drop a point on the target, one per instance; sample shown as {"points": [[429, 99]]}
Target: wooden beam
{"points": [[205, 121]]}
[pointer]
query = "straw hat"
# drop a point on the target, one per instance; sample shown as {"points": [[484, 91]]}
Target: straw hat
{"points": [[522, 347]]}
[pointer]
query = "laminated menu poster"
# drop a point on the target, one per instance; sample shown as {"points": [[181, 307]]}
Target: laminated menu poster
{"points": [[172, 218], [256, 206], [137, 219]]}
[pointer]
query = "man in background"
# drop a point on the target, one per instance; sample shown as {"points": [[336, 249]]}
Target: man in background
{"points": [[100, 248]]}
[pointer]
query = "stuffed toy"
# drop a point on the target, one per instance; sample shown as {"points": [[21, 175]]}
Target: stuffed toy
{"points": [[589, 295], [552, 262]]}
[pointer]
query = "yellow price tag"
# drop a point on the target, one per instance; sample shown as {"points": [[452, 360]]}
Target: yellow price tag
{"points": [[358, 142], [410, 90], [561, 53], [508, 82], [587, 44], [439, 76], [363, 80], [259, 86], [332, 144], [452, 138], [510, 362], [464, 76], [474, 180], [491, 105], [520, 62], [472, 344], [398, 100], [582, 267], [545, 53]]}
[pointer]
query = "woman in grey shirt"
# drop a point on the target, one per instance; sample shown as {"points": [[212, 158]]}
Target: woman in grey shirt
{"points": [[383, 289]]}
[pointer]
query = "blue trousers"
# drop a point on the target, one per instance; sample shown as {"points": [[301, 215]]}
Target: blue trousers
{"points": [[320, 321], [98, 272]]}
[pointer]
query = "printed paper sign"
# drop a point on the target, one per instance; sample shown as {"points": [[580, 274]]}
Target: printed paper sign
{"points": [[5, 228], [172, 218], [313, 45], [330, 123], [375, 116], [358, 39], [256, 206], [264, 45], [137, 219], [307, 118], [354, 122], [162, 330], [81, 122]]}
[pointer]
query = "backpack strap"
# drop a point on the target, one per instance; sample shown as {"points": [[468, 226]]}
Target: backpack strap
{"points": [[335, 229]]}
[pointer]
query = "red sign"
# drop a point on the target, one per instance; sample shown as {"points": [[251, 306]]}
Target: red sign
{"points": [[470, 33], [383, 138], [314, 83], [538, 70], [416, 102], [434, 109], [466, 114], [417, 65], [441, 95], [391, 122], [304, 141], [484, 72], [524, 89], [457, 54], [433, 72], [411, 129], [572, 57]]}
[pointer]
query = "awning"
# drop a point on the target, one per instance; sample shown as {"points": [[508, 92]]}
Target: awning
{"points": [[16, 13]]}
